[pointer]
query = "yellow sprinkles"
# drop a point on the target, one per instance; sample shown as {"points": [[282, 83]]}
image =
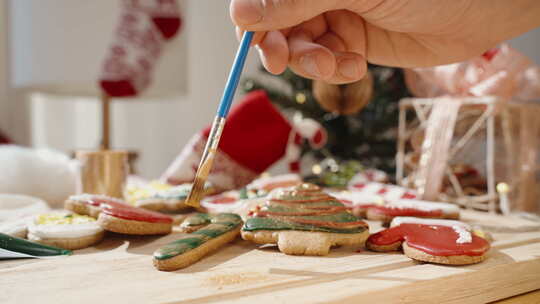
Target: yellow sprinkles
{"points": [[62, 219]]}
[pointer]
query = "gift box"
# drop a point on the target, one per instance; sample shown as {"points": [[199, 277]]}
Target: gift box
{"points": [[478, 152], [472, 137]]}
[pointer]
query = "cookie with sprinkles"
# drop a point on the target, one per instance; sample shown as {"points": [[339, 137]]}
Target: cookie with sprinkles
{"points": [[65, 230], [431, 240], [304, 220], [209, 233]]}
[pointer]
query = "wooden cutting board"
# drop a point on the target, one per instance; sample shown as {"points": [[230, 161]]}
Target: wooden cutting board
{"points": [[120, 270]]}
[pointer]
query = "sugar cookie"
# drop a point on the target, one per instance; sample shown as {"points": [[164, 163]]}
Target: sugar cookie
{"points": [[116, 216], [65, 230], [304, 221], [170, 199], [214, 231], [429, 240], [415, 208]]}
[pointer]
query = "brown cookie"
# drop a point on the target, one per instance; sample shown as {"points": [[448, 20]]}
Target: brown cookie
{"points": [[305, 242], [434, 241], [216, 231], [116, 216]]}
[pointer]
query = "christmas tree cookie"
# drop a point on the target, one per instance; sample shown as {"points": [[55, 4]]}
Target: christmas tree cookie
{"points": [[431, 240], [209, 232], [304, 221]]}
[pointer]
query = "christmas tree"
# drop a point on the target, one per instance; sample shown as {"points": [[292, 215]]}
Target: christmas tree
{"points": [[368, 135]]}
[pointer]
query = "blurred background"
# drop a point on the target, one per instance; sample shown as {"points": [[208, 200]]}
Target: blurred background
{"points": [[50, 57]]}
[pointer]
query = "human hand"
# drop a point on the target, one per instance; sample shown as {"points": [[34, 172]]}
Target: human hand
{"points": [[332, 40]]}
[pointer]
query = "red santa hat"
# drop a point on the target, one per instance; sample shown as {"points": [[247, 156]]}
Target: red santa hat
{"points": [[255, 136]]}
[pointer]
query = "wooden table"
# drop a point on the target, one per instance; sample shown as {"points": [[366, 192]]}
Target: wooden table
{"points": [[120, 270]]}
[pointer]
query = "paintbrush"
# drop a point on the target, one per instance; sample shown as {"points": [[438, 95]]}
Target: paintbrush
{"points": [[197, 191]]}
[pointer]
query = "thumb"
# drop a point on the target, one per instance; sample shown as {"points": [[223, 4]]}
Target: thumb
{"points": [[266, 15]]}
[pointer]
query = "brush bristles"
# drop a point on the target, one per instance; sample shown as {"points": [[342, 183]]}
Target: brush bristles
{"points": [[197, 191]]}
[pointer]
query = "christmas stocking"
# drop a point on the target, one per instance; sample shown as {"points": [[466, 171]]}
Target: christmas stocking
{"points": [[255, 136], [144, 27]]}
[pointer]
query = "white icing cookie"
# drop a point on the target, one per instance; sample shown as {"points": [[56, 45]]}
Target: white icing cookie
{"points": [[222, 203], [63, 225], [425, 206], [87, 197], [386, 191], [267, 184], [354, 198], [367, 176]]}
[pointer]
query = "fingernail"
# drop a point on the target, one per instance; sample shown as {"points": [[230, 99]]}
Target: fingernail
{"points": [[349, 68], [309, 65], [249, 12]]}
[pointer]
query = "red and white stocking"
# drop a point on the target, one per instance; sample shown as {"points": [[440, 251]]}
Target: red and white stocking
{"points": [[143, 28]]}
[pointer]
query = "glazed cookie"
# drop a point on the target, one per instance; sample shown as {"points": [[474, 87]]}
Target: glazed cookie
{"points": [[88, 204], [212, 232], [116, 216], [304, 221], [65, 230], [415, 208], [223, 202], [171, 199], [357, 202], [431, 240], [263, 185], [387, 192]]}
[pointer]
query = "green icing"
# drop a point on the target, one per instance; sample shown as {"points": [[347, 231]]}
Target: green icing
{"points": [[213, 231], [266, 223], [196, 220], [219, 224], [23, 246], [178, 247], [280, 222]]}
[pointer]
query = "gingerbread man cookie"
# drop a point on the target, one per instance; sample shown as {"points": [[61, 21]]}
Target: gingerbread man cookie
{"points": [[116, 216], [304, 221], [431, 240], [209, 232]]}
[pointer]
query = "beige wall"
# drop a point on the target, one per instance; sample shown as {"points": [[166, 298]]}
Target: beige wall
{"points": [[4, 122], [157, 128]]}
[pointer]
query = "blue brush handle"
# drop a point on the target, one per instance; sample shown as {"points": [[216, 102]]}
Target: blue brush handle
{"points": [[234, 76]]}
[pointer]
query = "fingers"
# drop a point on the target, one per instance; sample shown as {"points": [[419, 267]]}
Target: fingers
{"points": [[325, 59], [309, 59], [264, 15], [274, 52], [257, 36]]}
